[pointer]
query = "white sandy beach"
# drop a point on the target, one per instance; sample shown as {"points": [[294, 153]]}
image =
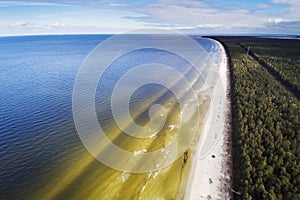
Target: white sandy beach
{"points": [[210, 172]]}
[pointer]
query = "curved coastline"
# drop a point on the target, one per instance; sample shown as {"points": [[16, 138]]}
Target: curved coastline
{"points": [[211, 171]]}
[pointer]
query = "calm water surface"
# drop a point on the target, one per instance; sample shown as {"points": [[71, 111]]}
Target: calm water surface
{"points": [[38, 140]]}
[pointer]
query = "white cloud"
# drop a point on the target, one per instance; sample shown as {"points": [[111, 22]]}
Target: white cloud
{"points": [[199, 14], [205, 16], [175, 14], [263, 6], [56, 24], [57, 14], [292, 12], [22, 24], [275, 20], [290, 2], [28, 3]]}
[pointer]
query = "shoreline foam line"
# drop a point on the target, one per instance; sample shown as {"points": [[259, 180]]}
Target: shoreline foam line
{"points": [[210, 172]]}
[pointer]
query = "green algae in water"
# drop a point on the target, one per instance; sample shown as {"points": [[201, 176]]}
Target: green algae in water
{"points": [[89, 179]]}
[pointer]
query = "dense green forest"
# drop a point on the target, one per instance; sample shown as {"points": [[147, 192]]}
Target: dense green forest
{"points": [[282, 56], [265, 117]]}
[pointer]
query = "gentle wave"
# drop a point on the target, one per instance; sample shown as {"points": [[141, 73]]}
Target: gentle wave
{"points": [[40, 151]]}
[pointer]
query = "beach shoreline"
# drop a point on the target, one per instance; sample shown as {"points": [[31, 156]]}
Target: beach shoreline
{"points": [[210, 173]]}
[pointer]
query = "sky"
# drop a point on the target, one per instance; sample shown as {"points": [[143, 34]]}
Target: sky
{"points": [[204, 17]]}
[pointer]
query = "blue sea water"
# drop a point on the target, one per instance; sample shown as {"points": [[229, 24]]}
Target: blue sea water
{"points": [[37, 131]]}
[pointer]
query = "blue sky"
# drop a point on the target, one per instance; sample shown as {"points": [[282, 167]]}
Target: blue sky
{"points": [[19, 17]]}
